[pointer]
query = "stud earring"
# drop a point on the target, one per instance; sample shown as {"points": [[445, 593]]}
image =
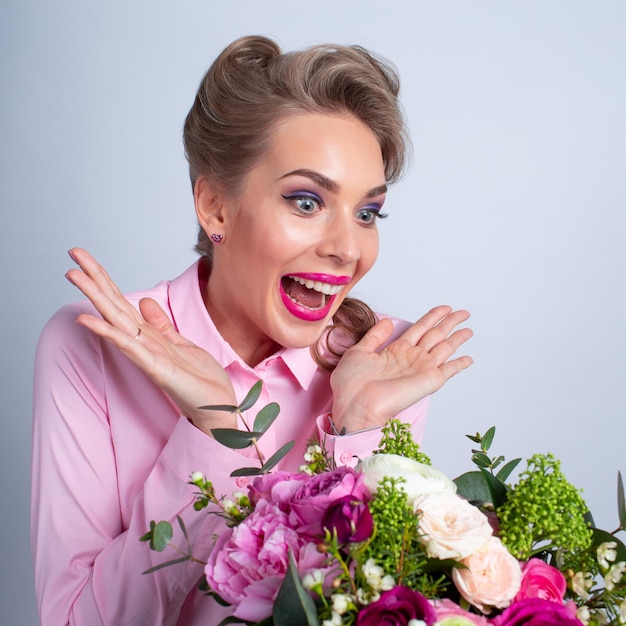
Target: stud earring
{"points": [[217, 238]]}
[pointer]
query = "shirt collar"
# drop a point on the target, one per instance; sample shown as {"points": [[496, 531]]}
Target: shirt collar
{"points": [[193, 322]]}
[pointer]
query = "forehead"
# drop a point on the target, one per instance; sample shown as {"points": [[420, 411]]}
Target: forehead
{"points": [[338, 146]]}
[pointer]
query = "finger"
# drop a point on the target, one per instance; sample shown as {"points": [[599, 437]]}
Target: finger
{"points": [[446, 348], [451, 368], [442, 330], [417, 330], [155, 316], [95, 271], [376, 336]]}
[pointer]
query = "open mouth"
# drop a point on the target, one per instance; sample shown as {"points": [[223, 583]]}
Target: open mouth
{"points": [[307, 298]]}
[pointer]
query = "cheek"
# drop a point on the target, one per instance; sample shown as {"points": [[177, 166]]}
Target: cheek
{"points": [[369, 252]]}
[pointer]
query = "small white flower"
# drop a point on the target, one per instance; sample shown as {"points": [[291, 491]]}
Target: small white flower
{"points": [[308, 457], [314, 450], [341, 603], [335, 620], [607, 553], [416, 622], [197, 477], [581, 583], [365, 597], [305, 469], [622, 611], [237, 495], [387, 583], [228, 505], [582, 613], [313, 579], [614, 575], [373, 574]]}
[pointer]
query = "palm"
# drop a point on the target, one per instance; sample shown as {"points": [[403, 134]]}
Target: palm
{"points": [[371, 385]]}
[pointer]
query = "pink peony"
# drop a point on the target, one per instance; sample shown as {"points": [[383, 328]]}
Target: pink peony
{"points": [[540, 580], [309, 502], [247, 566], [452, 527], [278, 487], [492, 577], [451, 614], [537, 612], [397, 607]]}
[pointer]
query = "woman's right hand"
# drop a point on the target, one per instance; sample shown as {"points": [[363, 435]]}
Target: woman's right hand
{"points": [[187, 373]]}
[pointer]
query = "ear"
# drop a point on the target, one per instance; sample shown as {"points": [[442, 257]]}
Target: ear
{"points": [[209, 206]]}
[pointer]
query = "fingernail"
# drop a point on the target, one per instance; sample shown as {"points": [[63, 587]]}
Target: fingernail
{"points": [[71, 255]]}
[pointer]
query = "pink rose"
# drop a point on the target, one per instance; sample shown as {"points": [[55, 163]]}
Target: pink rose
{"points": [[397, 607], [318, 492], [540, 580], [492, 577], [452, 527], [349, 519], [451, 614], [278, 487], [247, 566], [537, 612]]}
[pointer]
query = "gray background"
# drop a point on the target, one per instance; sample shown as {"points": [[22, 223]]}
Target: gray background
{"points": [[514, 207]]}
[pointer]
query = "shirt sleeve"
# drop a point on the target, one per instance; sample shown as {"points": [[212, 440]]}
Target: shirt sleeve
{"points": [[348, 449], [89, 561]]}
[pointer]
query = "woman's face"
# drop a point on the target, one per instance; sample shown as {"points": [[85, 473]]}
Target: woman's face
{"points": [[300, 235]]}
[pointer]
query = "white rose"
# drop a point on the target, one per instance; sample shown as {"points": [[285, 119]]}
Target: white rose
{"points": [[452, 527], [420, 479]]}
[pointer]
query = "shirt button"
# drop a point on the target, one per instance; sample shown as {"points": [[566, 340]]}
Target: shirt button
{"points": [[271, 361], [345, 457], [242, 481]]}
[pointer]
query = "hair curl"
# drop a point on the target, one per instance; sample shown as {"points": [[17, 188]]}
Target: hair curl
{"points": [[251, 86]]}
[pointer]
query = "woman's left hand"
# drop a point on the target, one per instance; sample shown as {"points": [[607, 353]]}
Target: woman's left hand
{"points": [[372, 385]]}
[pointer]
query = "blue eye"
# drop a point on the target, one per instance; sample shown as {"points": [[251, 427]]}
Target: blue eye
{"points": [[305, 202], [368, 215]]}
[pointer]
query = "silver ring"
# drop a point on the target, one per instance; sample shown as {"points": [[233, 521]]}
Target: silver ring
{"points": [[136, 337]]}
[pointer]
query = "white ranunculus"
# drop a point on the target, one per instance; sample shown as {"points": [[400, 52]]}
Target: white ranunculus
{"points": [[420, 479], [452, 527]]}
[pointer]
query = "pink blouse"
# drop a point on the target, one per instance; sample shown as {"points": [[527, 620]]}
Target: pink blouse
{"points": [[111, 452]]}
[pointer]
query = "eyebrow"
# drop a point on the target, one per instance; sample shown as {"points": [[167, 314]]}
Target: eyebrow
{"points": [[331, 185]]}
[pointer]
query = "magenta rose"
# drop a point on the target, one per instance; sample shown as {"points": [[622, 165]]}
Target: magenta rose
{"points": [[540, 580], [318, 492], [350, 519], [397, 607], [537, 612], [247, 566]]}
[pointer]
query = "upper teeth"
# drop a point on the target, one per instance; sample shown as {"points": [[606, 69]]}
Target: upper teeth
{"points": [[329, 290]]}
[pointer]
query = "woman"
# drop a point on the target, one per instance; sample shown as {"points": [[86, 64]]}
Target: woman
{"points": [[290, 157]]}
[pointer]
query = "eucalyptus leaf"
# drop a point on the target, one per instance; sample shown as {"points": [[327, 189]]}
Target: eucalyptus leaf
{"points": [[183, 527], [266, 416], [161, 536], [252, 396], [487, 438], [156, 568], [621, 503], [247, 471], [233, 438], [475, 438], [148, 536], [505, 471], [277, 456], [473, 487], [232, 620], [229, 408], [482, 460], [497, 489], [294, 606]]}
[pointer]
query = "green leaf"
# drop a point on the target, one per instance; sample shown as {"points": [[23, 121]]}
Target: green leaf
{"points": [[161, 536], [506, 469], [148, 535], [247, 471], [232, 620], [277, 456], [183, 528], [621, 503], [601, 536], [156, 568], [482, 460], [252, 397], [473, 487], [487, 438], [475, 438], [294, 606], [266, 416], [229, 408], [497, 489], [233, 438]]}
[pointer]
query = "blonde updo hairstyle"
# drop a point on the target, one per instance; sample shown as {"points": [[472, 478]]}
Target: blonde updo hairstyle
{"points": [[250, 87]]}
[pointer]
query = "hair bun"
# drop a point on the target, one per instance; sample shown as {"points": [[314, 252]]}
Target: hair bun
{"points": [[252, 51]]}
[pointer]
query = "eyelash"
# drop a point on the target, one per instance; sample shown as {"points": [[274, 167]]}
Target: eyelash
{"points": [[373, 211]]}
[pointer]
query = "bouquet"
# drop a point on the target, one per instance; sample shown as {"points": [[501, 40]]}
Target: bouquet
{"points": [[396, 542]]}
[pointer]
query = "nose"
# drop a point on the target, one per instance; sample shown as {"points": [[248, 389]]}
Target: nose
{"points": [[341, 241]]}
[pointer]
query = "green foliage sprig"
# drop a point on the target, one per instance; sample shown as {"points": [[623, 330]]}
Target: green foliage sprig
{"points": [[397, 438]]}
